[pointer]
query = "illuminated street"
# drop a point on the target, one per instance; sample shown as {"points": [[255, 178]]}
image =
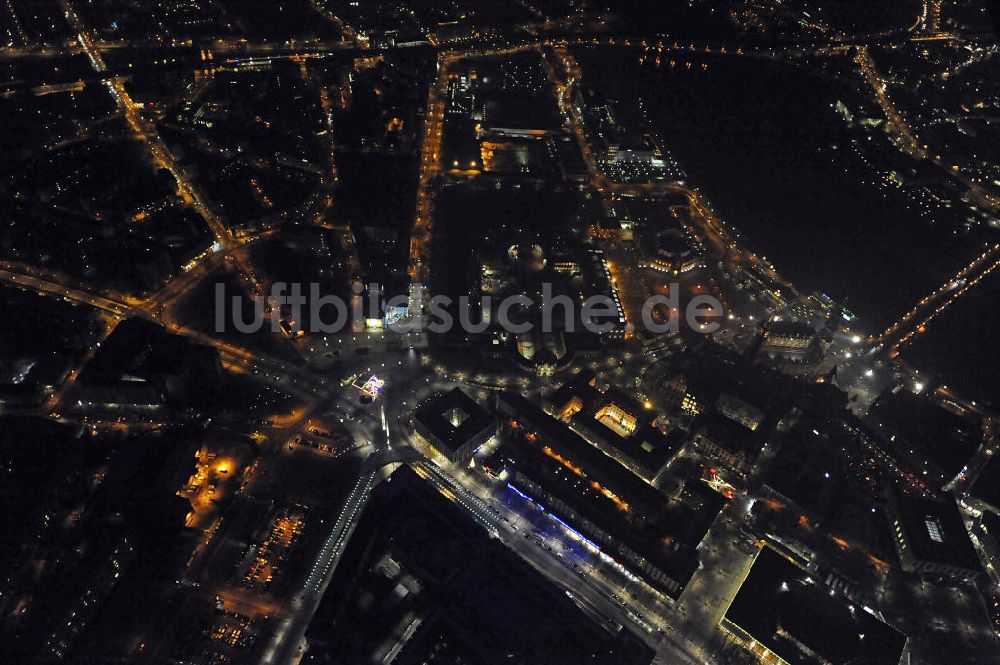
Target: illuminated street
{"points": [[346, 333]]}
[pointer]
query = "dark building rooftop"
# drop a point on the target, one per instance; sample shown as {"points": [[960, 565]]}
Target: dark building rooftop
{"points": [[416, 555], [142, 365], [918, 428], [731, 435], [143, 349], [934, 531], [604, 500], [453, 418], [566, 443], [787, 611], [810, 469]]}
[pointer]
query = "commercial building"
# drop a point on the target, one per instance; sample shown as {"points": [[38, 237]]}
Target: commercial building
{"points": [[141, 369], [617, 424], [461, 94], [925, 436], [422, 583], [652, 534], [930, 536], [732, 434], [727, 442], [454, 425], [817, 472], [785, 616]]}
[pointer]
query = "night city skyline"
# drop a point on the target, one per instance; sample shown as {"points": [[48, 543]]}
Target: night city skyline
{"points": [[482, 332]]}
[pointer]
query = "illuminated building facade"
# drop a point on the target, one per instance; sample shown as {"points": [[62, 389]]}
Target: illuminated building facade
{"points": [[649, 533], [617, 424]]}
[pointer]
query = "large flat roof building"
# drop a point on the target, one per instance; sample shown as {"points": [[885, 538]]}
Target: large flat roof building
{"points": [[652, 534], [454, 425], [785, 616], [930, 536], [422, 583], [921, 433]]}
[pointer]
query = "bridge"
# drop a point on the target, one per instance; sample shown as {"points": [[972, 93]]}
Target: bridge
{"points": [[915, 321]]}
